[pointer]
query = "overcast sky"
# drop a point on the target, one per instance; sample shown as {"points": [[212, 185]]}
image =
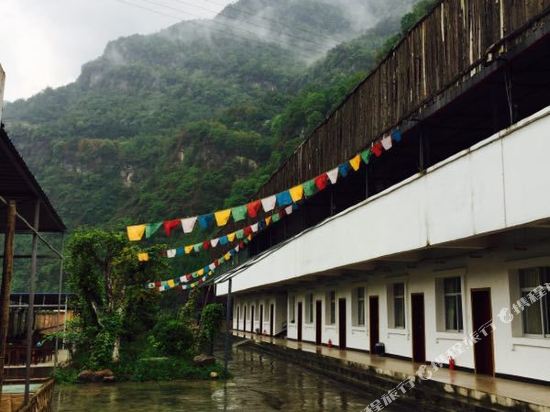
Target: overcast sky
{"points": [[45, 42]]}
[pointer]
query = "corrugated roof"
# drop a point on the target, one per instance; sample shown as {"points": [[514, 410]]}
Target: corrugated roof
{"points": [[18, 183]]}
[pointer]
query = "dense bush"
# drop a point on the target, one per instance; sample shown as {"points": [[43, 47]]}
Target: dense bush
{"points": [[173, 337]]}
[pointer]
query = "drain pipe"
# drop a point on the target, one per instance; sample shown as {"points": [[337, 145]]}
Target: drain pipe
{"points": [[227, 331]]}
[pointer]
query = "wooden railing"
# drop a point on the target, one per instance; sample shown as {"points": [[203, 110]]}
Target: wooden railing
{"points": [[452, 44], [17, 355], [41, 401]]}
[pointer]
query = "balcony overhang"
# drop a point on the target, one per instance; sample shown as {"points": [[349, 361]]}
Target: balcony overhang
{"points": [[497, 185]]}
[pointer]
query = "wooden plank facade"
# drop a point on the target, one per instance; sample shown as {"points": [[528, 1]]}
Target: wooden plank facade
{"points": [[450, 45]]}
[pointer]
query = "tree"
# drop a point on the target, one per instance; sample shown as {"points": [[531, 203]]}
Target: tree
{"points": [[109, 281]]}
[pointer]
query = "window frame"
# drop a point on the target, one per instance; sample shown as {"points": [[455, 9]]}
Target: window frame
{"points": [[459, 300], [402, 298], [309, 308], [543, 276]]}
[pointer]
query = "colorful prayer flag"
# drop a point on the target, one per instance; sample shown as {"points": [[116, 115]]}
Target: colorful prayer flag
{"points": [[343, 169], [136, 232], [151, 229], [377, 149], [356, 162], [366, 155], [188, 224], [239, 213], [321, 181], [205, 221], [309, 188], [396, 135], [222, 217], [268, 203], [387, 142], [253, 208], [231, 237], [143, 257], [283, 198], [297, 193], [170, 225], [333, 175]]}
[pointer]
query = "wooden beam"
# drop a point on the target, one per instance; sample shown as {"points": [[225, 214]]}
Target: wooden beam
{"points": [[7, 273]]}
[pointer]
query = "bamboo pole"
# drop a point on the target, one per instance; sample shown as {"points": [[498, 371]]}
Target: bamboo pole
{"points": [[7, 273], [30, 311]]}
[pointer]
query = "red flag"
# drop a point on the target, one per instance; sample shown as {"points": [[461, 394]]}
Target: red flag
{"points": [[253, 208], [169, 225], [206, 245], [377, 149], [248, 231], [321, 181]]}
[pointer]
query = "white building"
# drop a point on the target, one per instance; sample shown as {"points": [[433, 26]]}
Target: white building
{"points": [[427, 257]]}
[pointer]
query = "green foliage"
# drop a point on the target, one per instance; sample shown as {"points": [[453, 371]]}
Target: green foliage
{"points": [[111, 302], [173, 337], [211, 320]]}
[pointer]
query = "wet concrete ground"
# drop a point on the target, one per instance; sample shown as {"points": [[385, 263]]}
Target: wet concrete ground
{"points": [[260, 383]]}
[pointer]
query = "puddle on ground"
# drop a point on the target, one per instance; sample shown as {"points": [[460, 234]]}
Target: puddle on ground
{"points": [[261, 383]]}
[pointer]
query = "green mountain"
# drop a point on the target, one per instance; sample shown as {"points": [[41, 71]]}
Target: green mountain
{"points": [[199, 114]]}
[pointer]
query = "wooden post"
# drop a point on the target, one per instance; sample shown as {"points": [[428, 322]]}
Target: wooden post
{"points": [[30, 311], [59, 293], [7, 273]]}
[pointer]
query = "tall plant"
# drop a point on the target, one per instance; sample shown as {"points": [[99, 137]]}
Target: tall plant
{"points": [[107, 279]]}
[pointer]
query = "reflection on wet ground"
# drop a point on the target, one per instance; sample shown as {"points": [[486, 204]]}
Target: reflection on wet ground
{"points": [[260, 383]]}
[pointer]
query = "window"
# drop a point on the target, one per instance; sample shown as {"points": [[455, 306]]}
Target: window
{"points": [[452, 291], [360, 306], [331, 305], [309, 306], [535, 316], [292, 309], [399, 305]]}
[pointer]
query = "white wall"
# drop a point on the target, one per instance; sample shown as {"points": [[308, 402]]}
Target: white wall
{"points": [[497, 184], [279, 314], [514, 355]]}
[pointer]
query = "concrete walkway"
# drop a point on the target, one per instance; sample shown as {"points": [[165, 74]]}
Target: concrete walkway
{"points": [[504, 392]]}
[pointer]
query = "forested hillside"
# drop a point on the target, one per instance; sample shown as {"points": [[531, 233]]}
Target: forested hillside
{"points": [[200, 114]]}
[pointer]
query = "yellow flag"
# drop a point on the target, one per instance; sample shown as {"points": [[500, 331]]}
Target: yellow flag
{"points": [[297, 193], [135, 232], [231, 236], [268, 220], [171, 283], [227, 256], [222, 217], [356, 162], [143, 257], [188, 249], [200, 272]]}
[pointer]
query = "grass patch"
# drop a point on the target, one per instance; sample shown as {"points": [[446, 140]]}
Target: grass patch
{"points": [[149, 369]]}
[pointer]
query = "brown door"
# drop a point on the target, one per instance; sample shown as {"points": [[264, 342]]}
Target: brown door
{"points": [[342, 323], [481, 315], [252, 319], [300, 321], [418, 328], [261, 319], [373, 322], [271, 316], [318, 322]]}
